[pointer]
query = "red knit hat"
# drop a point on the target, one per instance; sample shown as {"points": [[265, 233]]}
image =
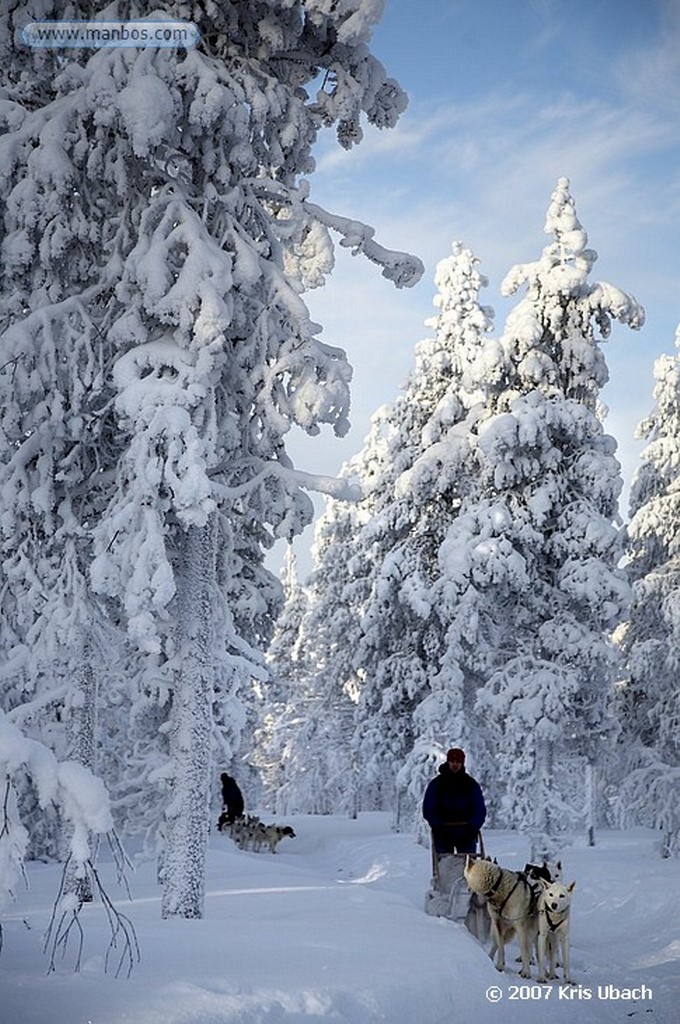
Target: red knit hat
{"points": [[456, 754]]}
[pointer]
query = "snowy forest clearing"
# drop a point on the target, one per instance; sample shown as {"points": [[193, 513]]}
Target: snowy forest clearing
{"points": [[332, 928], [474, 580]]}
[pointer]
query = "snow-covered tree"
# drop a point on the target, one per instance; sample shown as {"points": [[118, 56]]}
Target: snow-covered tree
{"points": [[426, 469], [648, 699], [538, 554], [282, 663], [314, 666], [372, 633], [158, 234]]}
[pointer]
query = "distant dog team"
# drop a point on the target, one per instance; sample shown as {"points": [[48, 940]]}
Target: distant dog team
{"points": [[249, 833]]}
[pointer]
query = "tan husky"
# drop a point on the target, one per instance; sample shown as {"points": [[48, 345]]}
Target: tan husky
{"points": [[511, 904]]}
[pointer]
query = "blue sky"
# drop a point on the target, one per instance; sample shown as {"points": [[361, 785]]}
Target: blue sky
{"points": [[506, 96]]}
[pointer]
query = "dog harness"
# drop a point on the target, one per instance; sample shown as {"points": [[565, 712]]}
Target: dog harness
{"points": [[553, 925], [494, 888]]}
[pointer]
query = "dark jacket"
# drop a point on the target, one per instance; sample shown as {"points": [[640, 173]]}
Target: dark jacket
{"points": [[454, 808], [232, 798]]}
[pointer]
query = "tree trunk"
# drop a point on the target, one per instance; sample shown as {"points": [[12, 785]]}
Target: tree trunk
{"points": [[81, 729], [590, 802], [190, 726], [542, 835], [82, 719]]}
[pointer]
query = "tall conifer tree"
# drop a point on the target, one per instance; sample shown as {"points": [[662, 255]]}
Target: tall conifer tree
{"points": [[372, 634], [648, 700], [155, 347], [541, 549]]}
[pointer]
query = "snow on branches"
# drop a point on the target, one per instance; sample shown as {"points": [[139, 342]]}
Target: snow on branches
{"points": [[550, 334], [485, 577], [158, 237], [648, 696], [84, 805]]}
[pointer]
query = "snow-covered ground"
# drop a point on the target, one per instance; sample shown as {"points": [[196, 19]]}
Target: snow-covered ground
{"points": [[331, 929]]}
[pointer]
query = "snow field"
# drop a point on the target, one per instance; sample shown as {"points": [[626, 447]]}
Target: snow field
{"points": [[331, 929]]}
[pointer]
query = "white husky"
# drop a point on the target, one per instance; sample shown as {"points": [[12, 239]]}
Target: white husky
{"points": [[554, 903]]}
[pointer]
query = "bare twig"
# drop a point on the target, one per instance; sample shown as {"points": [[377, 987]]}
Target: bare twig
{"points": [[121, 926], [63, 924], [121, 860]]}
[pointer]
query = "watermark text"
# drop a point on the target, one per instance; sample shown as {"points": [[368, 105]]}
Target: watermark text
{"points": [[570, 993], [96, 35]]}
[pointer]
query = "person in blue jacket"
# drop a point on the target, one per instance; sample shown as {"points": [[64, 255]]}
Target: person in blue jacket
{"points": [[454, 807]]}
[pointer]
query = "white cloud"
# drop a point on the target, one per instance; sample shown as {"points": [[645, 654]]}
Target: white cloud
{"points": [[651, 76]]}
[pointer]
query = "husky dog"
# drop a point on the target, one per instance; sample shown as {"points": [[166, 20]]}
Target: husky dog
{"points": [[550, 871], [554, 903], [273, 835], [511, 905]]}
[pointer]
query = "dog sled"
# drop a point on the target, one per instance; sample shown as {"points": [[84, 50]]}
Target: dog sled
{"points": [[449, 896]]}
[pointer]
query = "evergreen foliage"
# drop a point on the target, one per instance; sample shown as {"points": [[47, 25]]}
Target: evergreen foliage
{"points": [[157, 237], [371, 640], [485, 582], [647, 758], [543, 549]]}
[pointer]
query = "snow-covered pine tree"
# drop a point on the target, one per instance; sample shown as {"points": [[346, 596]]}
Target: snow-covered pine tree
{"points": [[371, 633], [427, 469], [157, 236], [541, 549], [648, 700], [270, 737], [54, 432], [315, 670]]}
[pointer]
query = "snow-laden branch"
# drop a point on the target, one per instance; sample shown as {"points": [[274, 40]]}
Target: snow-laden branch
{"points": [[28, 711], [649, 796], [403, 269], [84, 805], [342, 490]]}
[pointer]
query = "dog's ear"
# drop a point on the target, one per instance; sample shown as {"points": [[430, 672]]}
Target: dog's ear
{"points": [[558, 866], [571, 886], [545, 883]]}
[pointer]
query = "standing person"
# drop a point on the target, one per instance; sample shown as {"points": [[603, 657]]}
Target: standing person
{"points": [[232, 798], [454, 807]]}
